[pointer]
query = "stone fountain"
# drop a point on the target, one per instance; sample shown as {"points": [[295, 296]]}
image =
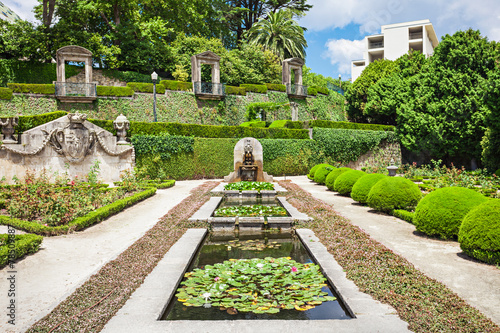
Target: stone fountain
{"points": [[248, 162]]}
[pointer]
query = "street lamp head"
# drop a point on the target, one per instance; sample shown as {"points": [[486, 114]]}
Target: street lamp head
{"points": [[154, 76]]}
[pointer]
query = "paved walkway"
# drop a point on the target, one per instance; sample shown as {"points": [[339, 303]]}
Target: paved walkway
{"points": [[475, 282], [65, 262]]}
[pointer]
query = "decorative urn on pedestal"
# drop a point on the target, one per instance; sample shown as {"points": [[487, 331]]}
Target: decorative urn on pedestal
{"points": [[121, 125]]}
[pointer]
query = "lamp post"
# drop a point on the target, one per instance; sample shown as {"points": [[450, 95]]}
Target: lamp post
{"points": [[340, 81], [154, 77]]}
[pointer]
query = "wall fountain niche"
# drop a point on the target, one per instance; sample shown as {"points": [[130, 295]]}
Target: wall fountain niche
{"points": [[248, 162], [207, 90], [68, 144], [295, 89]]}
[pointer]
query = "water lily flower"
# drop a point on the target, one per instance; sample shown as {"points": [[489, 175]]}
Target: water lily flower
{"points": [[207, 296], [259, 265], [217, 279], [294, 269]]}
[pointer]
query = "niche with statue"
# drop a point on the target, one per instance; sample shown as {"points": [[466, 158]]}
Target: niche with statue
{"points": [[248, 162]]}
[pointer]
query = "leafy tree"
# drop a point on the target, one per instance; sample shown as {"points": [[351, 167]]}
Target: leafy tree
{"points": [[388, 93], [241, 15], [279, 34], [491, 140], [310, 78], [444, 110], [357, 94]]}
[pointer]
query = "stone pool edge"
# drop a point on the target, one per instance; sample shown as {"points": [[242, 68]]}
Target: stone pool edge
{"points": [[145, 306]]}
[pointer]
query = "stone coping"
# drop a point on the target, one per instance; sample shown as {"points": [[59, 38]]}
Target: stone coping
{"points": [[205, 212], [146, 305], [219, 189]]}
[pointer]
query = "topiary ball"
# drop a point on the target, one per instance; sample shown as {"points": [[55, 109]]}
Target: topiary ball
{"points": [[440, 213], [479, 234], [311, 173], [332, 176], [344, 183], [394, 193], [322, 172], [363, 186], [497, 173]]}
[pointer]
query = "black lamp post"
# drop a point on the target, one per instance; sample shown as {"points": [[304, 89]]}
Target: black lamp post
{"points": [[340, 81], [154, 77]]}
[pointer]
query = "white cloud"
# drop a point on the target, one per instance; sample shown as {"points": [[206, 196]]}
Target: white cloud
{"points": [[447, 16], [342, 51], [23, 8]]}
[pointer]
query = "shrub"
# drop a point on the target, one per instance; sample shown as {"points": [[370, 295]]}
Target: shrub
{"points": [[257, 88], [31, 88], [5, 93], [260, 108], [479, 234], [349, 125], [23, 244], [254, 124], [126, 76], [363, 186], [312, 91], [345, 181], [29, 122], [394, 193], [332, 177], [278, 123], [146, 87], [441, 212], [231, 90], [311, 173], [404, 215], [294, 124], [177, 85], [497, 173], [276, 87], [322, 172], [323, 90], [114, 91]]}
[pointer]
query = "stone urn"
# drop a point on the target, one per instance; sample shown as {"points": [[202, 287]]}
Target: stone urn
{"points": [[121, 125], [8, 124]]}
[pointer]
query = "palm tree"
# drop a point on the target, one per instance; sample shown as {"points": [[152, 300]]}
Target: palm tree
{"points": [[279, 34]]}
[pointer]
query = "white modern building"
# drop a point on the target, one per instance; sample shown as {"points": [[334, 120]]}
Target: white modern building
{"points": [[7, 14], [394, 41]]}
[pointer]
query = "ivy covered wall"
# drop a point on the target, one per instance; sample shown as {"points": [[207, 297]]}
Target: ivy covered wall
{"points": [[182, 107]]}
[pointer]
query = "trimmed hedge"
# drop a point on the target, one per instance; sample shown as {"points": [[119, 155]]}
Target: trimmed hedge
{"points": [[29, 122], [278, 123], [479, 234], [261, 124], [114, 91], [23, 245], [6, 93], [126, 76], [440, 213], [257, 88], [313, 170], [348, 125], [394, 193], [177, 85], [332, 177], [231, 90], [363, 186], [31, 88], [81, 222], [344, 182], [276, 87], [294, 124], [322, 172], [404, 215], [146, 87]]}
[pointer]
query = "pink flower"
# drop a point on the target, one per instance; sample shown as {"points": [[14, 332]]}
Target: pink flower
{"points": [[71, 182], [217, 279], [294, 269]]}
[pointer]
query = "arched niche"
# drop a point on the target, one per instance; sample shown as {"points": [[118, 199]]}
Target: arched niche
{"points": [[295, 89], [207, 90]]}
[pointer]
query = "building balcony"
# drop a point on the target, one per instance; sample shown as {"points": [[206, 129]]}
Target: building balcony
{"points": [[296, 90], [416, 35], [209, 90], [73, 92], [375, 45]]}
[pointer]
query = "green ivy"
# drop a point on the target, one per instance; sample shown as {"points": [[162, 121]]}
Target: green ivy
{"points": [[348, 145], [165, 145]]}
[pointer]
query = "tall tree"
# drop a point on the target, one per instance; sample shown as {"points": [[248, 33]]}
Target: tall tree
{"points": [[444, 110], [280, 34], [242, 14]]}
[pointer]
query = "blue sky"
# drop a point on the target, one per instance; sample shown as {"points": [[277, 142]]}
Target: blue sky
{"points": [[337, 27]]}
